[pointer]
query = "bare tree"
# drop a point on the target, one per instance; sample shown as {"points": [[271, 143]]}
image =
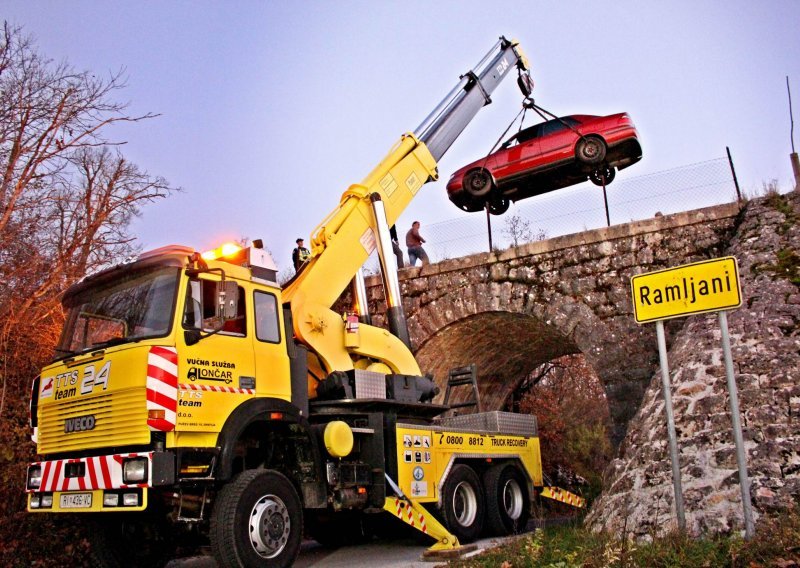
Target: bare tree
{"points": [[67, 194], [519, 231]]}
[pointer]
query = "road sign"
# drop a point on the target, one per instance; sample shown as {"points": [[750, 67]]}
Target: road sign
{"points": [[700, 287]]}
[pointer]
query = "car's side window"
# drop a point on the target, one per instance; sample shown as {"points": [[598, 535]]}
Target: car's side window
{"points": [[527, 134], [552, 127], [267, 322]]}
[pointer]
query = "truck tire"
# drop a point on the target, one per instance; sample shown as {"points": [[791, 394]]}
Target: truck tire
{"points": [[508, 505], [257, 521], [463, 503]]}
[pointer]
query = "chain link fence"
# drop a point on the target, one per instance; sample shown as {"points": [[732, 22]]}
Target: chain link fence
{"points": [[582, 207]]}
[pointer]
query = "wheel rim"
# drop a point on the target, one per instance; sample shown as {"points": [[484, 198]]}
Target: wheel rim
{"points": [[478, 183], [602, 175], [512, 499], [465, 504], [590, 149], [499, 206], [269, 526]]}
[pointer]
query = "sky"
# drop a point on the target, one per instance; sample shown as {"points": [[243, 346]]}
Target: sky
{"points": [[268, 111]]}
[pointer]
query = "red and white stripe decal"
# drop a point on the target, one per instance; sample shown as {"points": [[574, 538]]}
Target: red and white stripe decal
{"points": [[101, 472], [162, 387], [212, 388]]}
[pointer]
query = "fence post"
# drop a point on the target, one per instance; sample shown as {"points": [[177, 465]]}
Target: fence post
{"points": [[733, 171], [489, 226]]}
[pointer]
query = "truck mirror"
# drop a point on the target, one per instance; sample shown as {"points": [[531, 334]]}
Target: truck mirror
{"points": [[228, 300]]}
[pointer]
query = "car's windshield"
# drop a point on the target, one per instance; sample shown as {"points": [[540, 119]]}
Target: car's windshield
{"points": [[137, 306]]}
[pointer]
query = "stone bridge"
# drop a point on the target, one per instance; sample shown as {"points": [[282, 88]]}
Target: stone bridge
{"points": [[512, 310]]}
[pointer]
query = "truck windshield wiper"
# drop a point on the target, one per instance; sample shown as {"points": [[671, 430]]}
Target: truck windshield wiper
{"points": [[110, 342]]}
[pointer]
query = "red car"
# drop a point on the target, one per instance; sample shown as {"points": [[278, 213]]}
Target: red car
{"points": [[545, 157]]}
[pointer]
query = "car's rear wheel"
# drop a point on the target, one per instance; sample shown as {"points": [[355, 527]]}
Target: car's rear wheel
{"points": [[498, 205], [590, 150], [603, 175], [478, 183]]}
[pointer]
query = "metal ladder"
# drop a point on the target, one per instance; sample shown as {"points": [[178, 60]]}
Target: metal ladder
{"points": [[463, 376]]}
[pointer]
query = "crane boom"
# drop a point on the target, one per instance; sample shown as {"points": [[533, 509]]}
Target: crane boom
{"points": [[345, 239]]}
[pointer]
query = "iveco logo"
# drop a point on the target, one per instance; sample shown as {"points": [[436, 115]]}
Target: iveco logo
{"points": [[79, 424]]}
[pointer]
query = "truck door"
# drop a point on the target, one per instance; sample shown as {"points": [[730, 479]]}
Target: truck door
{"points": [[272, 362], [217, 373]]}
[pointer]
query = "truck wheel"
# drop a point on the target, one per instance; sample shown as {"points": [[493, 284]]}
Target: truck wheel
{"points": [[463, 504], [507, 504], [257, 521], [590, 150], [478, 183]]}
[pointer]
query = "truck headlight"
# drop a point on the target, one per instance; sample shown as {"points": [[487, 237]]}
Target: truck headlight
{"points": [[47, 500], [35, 501], [134, 470], [34, 477]]}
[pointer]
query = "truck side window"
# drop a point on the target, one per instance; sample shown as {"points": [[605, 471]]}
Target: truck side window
{"points": [[267, 323], [200, 311]]}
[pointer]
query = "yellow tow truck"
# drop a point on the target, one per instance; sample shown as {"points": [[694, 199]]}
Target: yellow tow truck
{"points": [[191, 390]]}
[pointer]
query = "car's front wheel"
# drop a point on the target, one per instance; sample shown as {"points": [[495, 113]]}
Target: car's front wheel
{"points": [[478, 183], [590, 150], [603, 175]]}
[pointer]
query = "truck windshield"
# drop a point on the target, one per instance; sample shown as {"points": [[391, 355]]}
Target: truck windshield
{"points": [[137, 306]]}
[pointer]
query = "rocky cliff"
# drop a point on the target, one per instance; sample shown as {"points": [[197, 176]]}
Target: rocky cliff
{"points": [[765, 341]]}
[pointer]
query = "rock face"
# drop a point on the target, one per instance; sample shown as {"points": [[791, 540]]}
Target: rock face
{"points": [[765, 343]]}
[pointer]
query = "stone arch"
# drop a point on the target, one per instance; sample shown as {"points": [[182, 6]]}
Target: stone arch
{"points": [[507, 330], [505, 346]]}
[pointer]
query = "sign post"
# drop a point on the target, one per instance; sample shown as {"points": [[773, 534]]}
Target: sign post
{"points": [[673, 439], [700, 287], [741, 459]]}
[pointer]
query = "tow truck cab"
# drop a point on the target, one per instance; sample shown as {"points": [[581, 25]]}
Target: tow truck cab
{"points": [[155, 355]]}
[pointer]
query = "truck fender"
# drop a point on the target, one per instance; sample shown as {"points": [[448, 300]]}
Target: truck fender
{"points": [[265, 410]]}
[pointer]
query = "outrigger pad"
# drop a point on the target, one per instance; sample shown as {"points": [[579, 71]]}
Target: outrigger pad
{"points": [[448, 553]]}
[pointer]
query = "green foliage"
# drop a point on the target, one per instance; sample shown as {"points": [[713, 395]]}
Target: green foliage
{"points": [[777, 543]]}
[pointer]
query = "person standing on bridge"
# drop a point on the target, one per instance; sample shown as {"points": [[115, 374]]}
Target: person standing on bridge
{"points": [[398, 253], [414, 243]]}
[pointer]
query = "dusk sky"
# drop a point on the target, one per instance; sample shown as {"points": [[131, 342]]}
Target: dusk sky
{"points": [[270, 110]]}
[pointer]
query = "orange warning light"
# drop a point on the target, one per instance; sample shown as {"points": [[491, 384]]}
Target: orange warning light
{"points": [[228, 249]]}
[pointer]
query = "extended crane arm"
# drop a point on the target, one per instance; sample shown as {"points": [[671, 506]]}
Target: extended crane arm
{"points": [[344, 240]]}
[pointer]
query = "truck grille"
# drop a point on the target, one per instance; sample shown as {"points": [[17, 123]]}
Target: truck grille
{"points": [[120, 419]]}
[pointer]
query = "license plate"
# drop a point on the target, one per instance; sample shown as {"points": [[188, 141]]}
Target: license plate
{"points": [[76, 501]]}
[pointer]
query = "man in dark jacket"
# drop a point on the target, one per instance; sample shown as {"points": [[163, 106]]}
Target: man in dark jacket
{"points": [[414, 243]]}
